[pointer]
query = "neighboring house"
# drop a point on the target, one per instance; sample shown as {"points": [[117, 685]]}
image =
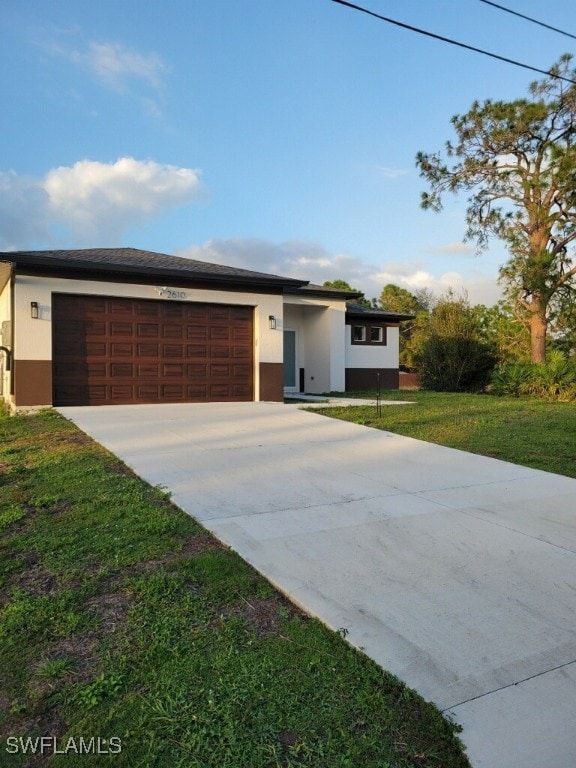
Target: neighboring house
{"points": [[120, 325]]}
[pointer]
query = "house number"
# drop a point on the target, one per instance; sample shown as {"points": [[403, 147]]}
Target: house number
{"points": [[171, 293]]}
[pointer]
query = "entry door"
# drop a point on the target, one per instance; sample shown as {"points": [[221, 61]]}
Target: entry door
{"points": [[290, 378]]}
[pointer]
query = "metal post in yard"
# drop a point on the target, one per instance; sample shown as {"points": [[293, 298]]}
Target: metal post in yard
{"points": [[378, 403]]}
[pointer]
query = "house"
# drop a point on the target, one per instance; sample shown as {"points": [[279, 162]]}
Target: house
{"points": [[120, 325]]}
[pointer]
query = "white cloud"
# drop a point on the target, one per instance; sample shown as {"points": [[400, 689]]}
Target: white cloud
{"points": [[114, 64], [96, 202], [312, 262], [392, 173], [453, 249]]}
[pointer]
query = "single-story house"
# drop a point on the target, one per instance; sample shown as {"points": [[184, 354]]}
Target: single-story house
{"points": [[120, 325]]}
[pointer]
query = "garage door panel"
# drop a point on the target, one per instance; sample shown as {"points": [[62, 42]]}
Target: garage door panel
{"points": [[148, 330], [95, 349], [148, 350], [172, 331], [104, 351], [121, 349], [115, 329], [174, 370], [196, 333], [148, 371], [120, 371], [116, 307], [197, 350]]}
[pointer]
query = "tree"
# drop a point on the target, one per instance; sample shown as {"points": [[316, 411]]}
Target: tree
{"points": [[342, 285], [396, 299], [453, 354], [518, 161], [506, 331]]}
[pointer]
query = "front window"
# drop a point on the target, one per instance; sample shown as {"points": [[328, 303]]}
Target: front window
{"points": [[369, 334]]}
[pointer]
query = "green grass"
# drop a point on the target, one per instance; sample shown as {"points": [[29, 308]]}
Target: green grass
{"points": [[121, 617], [530, 432]]}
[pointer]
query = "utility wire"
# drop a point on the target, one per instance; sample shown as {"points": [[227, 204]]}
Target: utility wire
{"points": [[452, 42], [528, 18]]}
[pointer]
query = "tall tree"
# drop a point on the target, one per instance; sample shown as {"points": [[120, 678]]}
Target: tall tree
{"points": [[518, 161], [342, 285], [396, 299]]}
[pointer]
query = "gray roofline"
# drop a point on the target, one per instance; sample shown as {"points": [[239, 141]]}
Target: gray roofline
{"points": [[134, 262], [358, 312]]}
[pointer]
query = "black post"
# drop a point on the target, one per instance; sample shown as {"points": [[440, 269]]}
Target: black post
{"points": [[378, 404]]}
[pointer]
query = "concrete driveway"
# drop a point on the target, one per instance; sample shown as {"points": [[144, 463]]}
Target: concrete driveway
{"points": [[453, 571]]}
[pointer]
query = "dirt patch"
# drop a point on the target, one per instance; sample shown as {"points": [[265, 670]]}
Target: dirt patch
{"points": [[30, 577], [110, 609], [264, 615], [191, 546]]}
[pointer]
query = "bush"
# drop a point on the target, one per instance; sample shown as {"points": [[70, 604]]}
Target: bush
{"points": [[454, 357], [511, 379], [553, 380]]}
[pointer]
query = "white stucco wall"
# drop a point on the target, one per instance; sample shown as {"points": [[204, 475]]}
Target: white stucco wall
{"points": [[320, 335], [33, 338], [377, 356]]}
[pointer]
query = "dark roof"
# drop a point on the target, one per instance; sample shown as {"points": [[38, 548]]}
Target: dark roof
{"points": [[330, 293], [360, 312], [132, 261]]}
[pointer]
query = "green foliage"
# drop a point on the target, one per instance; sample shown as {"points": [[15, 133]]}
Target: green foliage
{"points": [[507, 330], [102, 687], [454, 356], [553, 380], [511, 379], [342, 285], [396, 299], [518, 162]]}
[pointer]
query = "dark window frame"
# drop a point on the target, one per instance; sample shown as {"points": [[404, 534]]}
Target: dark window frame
{"points": [[367, 341]]}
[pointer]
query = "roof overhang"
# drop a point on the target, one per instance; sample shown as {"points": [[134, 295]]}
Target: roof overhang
{"points": [[176, 269]]}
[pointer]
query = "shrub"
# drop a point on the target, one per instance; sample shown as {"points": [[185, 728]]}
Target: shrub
{"points": [[553, 380], [454, 356]]}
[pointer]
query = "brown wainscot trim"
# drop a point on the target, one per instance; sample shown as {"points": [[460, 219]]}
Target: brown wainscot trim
{"points": [[363, 379], [272, 382], [32, 383]]}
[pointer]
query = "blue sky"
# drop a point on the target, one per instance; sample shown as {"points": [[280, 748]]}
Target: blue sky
{"points": [[276, 135]]}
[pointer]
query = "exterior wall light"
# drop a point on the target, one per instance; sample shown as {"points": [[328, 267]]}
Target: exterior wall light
{"points": [[272, 322], [34, 310]]}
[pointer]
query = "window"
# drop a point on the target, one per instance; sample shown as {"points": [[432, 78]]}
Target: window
{"points": [[369, 334]]}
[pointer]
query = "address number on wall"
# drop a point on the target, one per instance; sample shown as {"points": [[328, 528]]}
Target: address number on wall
{"points": [[170, 293]]}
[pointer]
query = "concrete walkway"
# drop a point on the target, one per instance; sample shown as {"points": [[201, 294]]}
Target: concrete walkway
{"points": [[453, 571]]}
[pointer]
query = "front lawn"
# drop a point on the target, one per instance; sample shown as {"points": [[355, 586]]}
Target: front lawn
{"points": [[129, 633], [530, 432]]}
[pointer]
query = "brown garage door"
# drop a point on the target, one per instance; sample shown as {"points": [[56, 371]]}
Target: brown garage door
{"points": [[110, 351]]}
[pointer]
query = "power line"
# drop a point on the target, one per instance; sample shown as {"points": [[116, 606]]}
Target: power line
{"points": [[528, 18], [452, 42]]}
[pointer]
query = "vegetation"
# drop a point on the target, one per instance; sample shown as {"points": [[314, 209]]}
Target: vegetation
{"points": [[122, 618], [453, 355], [553, 380], [529, 432], [518, 160]]}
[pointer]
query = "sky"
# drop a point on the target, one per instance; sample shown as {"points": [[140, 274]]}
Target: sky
{"points": [[273, 135]]}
